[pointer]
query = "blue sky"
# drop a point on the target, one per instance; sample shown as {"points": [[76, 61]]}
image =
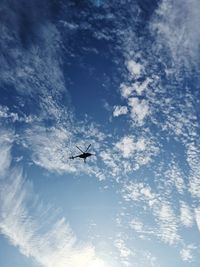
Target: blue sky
{"points": [[122, 76]]}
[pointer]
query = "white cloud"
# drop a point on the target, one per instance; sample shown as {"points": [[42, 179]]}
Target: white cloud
{"points": [[138, 192], [120, 110], [176, 24], [111, 162], [51, 148], [7, 115], [6, 140], [168, 224], [193, 160], [129, 153], [141, 87], [55, 247], [121, 246], [186, 215], [35, 230], [186, 253], [48, 147], [175, 178], [4, 113], [197, 217], [127, 145], [126, 90], [139, 109], [134, 68], [70, 26], [164, 216], [137, 225], [36, 71]]}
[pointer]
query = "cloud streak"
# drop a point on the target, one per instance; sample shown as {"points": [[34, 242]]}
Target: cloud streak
{"points": [[176, 26], [31, 227]]}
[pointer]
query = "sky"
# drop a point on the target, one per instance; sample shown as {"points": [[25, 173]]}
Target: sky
{"points": [[122, 76]]}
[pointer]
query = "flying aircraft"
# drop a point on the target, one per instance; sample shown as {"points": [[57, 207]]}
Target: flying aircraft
{"points": [[85, 154]]}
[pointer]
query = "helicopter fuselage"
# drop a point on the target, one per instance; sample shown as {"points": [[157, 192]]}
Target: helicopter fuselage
{"points": [[84, 155]]}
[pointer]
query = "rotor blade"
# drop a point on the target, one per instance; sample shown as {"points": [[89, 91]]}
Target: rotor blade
{"points": [[80, 149], [88, 148]]}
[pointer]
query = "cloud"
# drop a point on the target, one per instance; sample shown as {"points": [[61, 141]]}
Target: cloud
{"points": [[48, 147], [33, 67], [7, 115], [127, 145], [141, 87], [51, 147], [186, 215], [193, 160], [68, 25], [57, 246], [175, 178], [176, 25], [197, 217], [137, 225], [131, 256], [124, 251], [120, 110], [126, 90], [161, 210], [139, 109], [187, 253], [134, 68], [138, 192], [129, 153], [6, 140], [168, 224], [35, 229]]}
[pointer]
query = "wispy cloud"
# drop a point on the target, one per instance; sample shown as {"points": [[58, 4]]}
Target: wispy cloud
{"points": [[187, 253], [139, 109], [177, 28], [161, 210], [131, 91], [128, 154], [120, 110], [135, 68], [35, 73], [197, 217], [6, 114], [128, 146], [50, 147], [6, 140], [36, 230], [124, 251], [168, 223], [186, 215]]}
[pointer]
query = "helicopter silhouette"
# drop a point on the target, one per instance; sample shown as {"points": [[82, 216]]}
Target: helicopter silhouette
{"points": [[85, 154]]}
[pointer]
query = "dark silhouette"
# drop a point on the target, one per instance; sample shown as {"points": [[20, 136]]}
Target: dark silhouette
{"points": [[84, 155]]}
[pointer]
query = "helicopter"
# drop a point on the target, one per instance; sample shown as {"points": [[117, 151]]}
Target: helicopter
{"points": [[85, 154]]}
